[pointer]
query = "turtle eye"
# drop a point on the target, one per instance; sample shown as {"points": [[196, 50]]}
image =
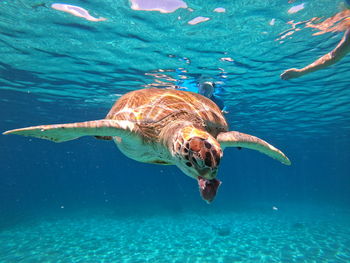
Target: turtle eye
{"points": [[207, 145]]}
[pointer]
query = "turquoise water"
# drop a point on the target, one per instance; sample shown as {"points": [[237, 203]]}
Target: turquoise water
{"points": [[292, 236], [83, 201]]}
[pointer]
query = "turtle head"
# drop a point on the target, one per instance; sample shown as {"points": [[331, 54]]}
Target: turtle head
{"points": [[198, 155]]}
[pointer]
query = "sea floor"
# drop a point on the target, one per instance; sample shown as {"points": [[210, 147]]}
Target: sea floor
{"points": [[235, 236]]}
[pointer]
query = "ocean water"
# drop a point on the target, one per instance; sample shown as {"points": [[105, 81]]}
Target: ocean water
{"points": [[83, 201]]}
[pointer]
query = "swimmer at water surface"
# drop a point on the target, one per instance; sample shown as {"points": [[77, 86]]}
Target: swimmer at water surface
{"points": [[339, 52]]}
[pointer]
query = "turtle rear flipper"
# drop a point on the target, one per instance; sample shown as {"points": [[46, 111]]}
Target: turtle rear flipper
{"points": [[71, 131], [238, 139]]}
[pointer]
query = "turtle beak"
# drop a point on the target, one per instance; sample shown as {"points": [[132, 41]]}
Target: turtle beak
{"points": [[208, 188]]}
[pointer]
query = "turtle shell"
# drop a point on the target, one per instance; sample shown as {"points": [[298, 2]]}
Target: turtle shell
{"points": [[151, 109]]}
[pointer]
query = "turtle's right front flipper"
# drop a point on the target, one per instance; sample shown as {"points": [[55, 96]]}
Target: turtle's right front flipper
{"points": [[238, 139], [71, 131]]}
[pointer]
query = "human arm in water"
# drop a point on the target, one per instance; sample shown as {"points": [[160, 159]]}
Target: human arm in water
{"points": [[330, 58]]}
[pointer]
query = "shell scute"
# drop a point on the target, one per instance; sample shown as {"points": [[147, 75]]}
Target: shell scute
{"points": [[154, 108]]}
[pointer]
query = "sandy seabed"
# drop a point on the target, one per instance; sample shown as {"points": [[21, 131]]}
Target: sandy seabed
{"points": [[185, 237]]}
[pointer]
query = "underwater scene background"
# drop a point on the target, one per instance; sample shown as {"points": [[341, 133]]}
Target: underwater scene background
{"points": [[83, 201]]}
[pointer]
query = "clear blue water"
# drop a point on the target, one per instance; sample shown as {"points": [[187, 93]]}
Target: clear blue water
{"points": [[83, 201]]}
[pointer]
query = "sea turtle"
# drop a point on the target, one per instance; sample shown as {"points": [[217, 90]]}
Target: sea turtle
{"points": [[164, 126]]}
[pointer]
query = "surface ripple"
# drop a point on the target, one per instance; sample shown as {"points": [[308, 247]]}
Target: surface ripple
{"points": [[58, 57]]}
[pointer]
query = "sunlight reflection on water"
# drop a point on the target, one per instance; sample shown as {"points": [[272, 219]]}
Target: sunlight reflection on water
{"points": [[163, 6]]}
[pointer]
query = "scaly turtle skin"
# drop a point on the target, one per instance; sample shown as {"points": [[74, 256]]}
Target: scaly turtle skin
{"points": [[164, 126]]}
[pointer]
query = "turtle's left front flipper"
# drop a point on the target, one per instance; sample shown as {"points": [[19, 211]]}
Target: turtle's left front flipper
{"points": [[71, 131], [238, 139]]}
